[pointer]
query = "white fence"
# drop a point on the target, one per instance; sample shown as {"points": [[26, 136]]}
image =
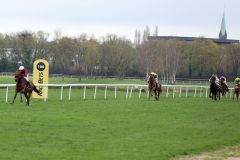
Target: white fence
{"points": [[170, 90]]}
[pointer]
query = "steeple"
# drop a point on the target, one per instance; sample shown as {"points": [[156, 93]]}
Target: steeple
{"points": [[223, 31]]}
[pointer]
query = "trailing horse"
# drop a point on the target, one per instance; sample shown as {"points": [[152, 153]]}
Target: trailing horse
{"points": [[236, 91], [215, 88], [154, 87], [23, 88], [224, 87]]}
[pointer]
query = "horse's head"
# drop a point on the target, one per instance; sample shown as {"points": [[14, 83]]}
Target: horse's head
{"points": [[213, 79], [17, 76]]}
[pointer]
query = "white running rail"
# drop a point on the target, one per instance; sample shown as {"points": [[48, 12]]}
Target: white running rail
{"points": [[175, 90]]}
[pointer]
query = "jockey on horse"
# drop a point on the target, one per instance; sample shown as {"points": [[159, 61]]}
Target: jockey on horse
{"points": [[223, 80], [23, 85], [224, 85], [237, 87], [24, 72], [155, 78], [215, 86], [153, 85], [237, 81]]}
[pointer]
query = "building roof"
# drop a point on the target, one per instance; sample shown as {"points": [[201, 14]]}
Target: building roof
{"points": [[216, 40]]}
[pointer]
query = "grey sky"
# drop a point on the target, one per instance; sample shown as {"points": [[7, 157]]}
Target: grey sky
{"points": [[121, 17]]}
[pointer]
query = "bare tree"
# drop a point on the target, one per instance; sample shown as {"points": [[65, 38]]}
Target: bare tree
{"points": [[155, 33], [137, 38], [146, 33]]}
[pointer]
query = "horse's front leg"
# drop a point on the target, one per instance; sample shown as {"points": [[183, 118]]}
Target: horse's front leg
{"points": [[14, 97], [210, 94], [156, 97]]}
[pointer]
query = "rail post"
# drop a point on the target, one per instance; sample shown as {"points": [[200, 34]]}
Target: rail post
{"points": [[115, 92], [167, 91], [95, 92], [140, 91], [206, 92], [180, 92], [105, 93], [45, 97], [195, 93], [61, 96], [201, 92], [69, 93], [127, 92], [186, 91], [173, 91], [130, 95], [84, 93], [6, 95]]}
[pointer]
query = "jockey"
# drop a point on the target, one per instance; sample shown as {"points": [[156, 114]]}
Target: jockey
{"points": [[216, 80], [223, 80], [237, 81], [24, 72]]}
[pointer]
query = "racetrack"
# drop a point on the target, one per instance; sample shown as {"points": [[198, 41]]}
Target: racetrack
{"points": [[116, 128]]}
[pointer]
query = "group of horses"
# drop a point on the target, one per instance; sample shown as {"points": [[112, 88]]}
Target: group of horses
{"points": [[216, 89], [219, 88]]}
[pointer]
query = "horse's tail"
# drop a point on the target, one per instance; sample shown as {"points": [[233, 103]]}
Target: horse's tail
{"points": [[35, 89]]}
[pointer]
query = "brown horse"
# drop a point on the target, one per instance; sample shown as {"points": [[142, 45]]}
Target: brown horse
{"points": [[153, 87], [236, 91], [22, 88]]}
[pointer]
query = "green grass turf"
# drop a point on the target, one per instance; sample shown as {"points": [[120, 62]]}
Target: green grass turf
{"points": [[115, 128]]}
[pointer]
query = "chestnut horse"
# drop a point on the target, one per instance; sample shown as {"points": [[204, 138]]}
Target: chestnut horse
{"points": [[154, 87], [22, 88], [236, 91]]}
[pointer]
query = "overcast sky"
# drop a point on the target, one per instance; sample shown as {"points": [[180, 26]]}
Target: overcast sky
{"points": [[121, 17]]}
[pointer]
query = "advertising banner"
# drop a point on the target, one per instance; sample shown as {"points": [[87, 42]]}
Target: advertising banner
{"points": [[40, 76]]}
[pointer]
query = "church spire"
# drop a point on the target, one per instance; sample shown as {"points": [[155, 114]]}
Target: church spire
{"points": [[223, 31]]}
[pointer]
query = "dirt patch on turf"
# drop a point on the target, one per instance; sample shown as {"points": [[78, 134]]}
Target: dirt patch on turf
{"points": [[228, 153]]}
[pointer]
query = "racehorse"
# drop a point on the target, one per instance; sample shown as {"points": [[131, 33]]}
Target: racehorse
{"points": [[154, 87], [215, 89], [236, 91], [22, 88], [224, 87]]}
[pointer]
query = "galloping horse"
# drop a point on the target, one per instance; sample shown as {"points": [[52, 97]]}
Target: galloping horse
{"points": [[236, 91], [215, 88], [21, 87], [224, 88], [153, 86]]}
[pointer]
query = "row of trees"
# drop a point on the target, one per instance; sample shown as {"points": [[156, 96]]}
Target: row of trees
{"points": [[115, 56]]}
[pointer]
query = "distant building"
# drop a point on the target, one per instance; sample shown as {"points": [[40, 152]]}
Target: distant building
{"points": [[223, 31], [221, 40]]}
